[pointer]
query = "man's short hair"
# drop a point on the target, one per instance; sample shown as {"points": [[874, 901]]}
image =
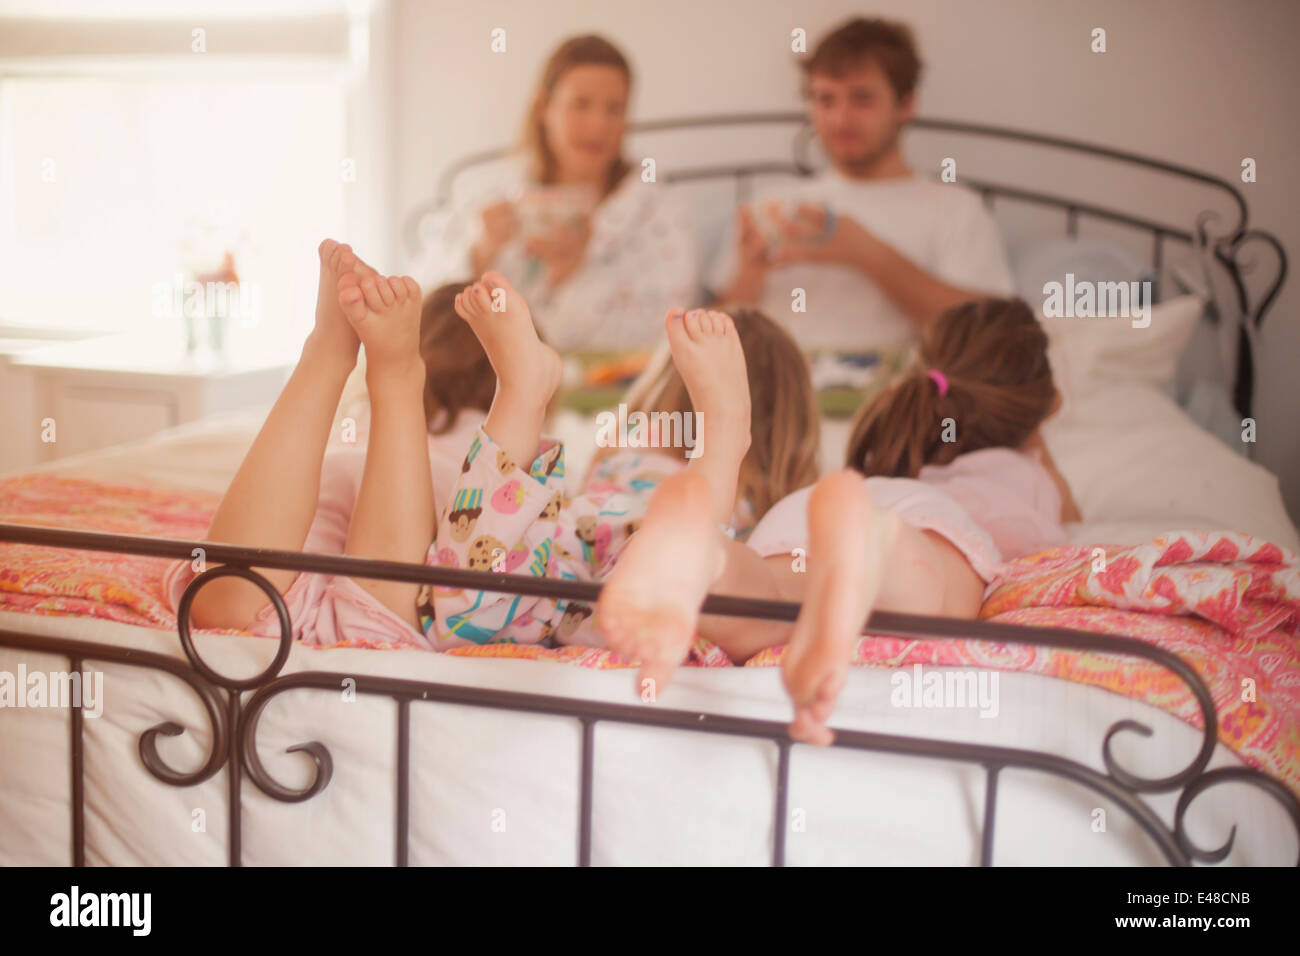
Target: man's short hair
{"points": [[885, 42]]}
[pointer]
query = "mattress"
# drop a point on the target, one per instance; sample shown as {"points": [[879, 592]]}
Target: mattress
{"points": [[492, 787], [496, 787]]}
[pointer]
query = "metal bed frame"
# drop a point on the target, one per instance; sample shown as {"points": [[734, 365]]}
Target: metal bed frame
{"points": [[1228, 248], [234, 706], [234, 717]]}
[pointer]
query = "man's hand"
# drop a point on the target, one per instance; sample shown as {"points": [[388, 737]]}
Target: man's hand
{"points": [[561, 249], [500, 224], [751, 244], [815, 235]]}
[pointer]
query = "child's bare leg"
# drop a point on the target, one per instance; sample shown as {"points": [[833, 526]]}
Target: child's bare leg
{"points": [[272, 499], [645, 585], [393, 519], [747, 574], [528, 371], [708, 356], [861, 557], [649, 607]]}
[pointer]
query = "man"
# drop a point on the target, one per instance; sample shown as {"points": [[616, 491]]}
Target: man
{"points": [[877, 250]]}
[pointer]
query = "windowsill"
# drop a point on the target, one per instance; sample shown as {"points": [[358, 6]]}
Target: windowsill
{"points": [[141, 354]]}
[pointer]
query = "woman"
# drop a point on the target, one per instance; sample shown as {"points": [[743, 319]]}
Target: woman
{"points": [[598, 253]]}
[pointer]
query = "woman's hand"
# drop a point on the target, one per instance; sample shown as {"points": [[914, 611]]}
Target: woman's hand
{"points": [[561, 249], [500, 225]]}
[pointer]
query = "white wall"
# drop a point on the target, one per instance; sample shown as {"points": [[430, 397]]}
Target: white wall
{"points": [[371, 137], [1197, 82]]}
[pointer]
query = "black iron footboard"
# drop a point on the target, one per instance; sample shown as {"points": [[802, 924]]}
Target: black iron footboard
{"points": [[234, 718]]}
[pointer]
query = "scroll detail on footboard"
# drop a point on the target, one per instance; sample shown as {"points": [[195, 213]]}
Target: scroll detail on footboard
{"points": [[234, 707]]}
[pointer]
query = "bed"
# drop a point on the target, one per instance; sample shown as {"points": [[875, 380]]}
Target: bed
{"points": [[1141, 718]]}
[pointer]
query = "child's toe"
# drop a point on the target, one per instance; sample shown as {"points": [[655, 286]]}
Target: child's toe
{"points": [[349, 280], [370, 291], [343, 259], [694, 323], [352, 302]]}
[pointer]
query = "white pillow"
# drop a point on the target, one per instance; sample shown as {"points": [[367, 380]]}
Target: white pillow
{"points": [[1138, 466], [1114, 350], [1037, 261]]}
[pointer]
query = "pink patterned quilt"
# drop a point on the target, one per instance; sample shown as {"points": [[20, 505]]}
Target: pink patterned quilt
{"points": [[1227, 603]]}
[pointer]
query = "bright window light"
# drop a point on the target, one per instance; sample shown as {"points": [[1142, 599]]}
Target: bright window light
{"points": [[116, 189]]}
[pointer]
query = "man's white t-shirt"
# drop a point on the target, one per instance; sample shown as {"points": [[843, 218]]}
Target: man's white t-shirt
{"points": [[941, 227]]}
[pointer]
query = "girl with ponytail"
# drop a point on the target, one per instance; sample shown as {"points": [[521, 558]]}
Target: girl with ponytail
{"points": [[981, 380]]}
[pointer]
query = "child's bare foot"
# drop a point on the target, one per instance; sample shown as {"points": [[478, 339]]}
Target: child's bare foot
{"points": [[503, 323], [848, 540], [384, 312], [333, 331], [708, 355], [528, 370], [649, 607]]}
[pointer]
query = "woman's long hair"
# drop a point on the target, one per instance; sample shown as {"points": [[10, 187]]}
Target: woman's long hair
{"points": [[784, 417], [993, 355], [575, 51]]}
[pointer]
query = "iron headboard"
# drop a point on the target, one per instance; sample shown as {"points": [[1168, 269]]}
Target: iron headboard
{"points": [[1227, 248]]}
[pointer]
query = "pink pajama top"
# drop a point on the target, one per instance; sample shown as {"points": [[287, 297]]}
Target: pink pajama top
{"points": [[992, 505]]}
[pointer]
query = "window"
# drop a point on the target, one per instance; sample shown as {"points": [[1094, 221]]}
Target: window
{"points": [[116, 188]]}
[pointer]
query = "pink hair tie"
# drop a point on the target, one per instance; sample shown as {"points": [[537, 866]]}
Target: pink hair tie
{"points": [[939, 379]]}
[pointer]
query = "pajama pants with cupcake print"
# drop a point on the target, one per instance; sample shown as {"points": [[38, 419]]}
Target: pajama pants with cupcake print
{"points": [[503, 518]]}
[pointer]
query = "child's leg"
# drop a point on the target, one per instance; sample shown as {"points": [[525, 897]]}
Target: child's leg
{"points": [[494, 517], [528, 371], [679, 551], [649, 607], [746, 574], [272, 498], [861, 557], [393, 518], [711, 362]]}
